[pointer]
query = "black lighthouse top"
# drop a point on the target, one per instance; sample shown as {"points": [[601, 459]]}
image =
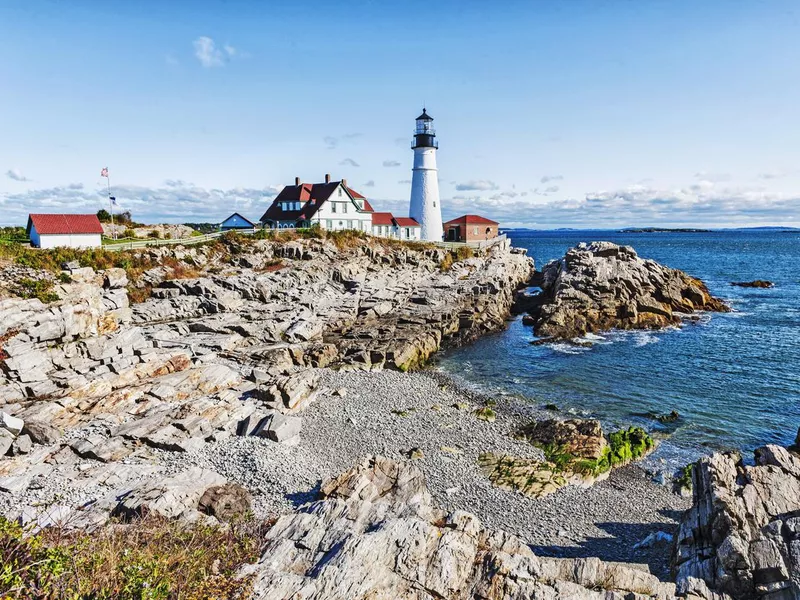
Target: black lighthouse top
{"points": [[425, 135]]}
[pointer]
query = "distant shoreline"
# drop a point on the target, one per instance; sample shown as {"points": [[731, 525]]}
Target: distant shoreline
{"points": [[664, 230]]}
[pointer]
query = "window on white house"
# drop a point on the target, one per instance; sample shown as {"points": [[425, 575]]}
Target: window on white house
{"points": [[333, 207], [341, 224], [329, 224], [408, 233], [340, 191], [344, 207]]}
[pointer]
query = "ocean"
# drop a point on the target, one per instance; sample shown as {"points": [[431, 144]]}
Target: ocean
{"points": [[733, 378]]}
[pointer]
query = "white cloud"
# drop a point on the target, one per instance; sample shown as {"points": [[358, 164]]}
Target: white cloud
{"points": [[476, 185], [16, 175], [391, 163], [548, 178], [209, 55], [695, 204], [332, 141], [175, 202], [349, 162]]}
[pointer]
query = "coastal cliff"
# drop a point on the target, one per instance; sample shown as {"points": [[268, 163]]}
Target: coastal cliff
{"points": [[600, 286], [233, 350]]}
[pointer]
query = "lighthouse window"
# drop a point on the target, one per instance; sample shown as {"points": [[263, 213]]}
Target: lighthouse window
{"points": [[434, 204]]}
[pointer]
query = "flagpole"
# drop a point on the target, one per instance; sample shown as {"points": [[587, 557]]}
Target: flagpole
{"points": [[110, 204]]}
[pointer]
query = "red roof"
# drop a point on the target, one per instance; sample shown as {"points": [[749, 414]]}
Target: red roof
{"points": [[471, 220], [46, 224], [405, 222], [382, 218]]}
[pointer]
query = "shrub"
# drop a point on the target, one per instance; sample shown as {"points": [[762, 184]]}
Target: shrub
{"points": [[129, 233], [150, 559], [155, 234], [454, 256], [35, 288]]}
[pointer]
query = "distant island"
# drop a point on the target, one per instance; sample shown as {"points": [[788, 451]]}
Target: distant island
{"points": [[662, 230]]}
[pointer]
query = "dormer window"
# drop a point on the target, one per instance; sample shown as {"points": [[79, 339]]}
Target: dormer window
{"points": [[340, 191]]}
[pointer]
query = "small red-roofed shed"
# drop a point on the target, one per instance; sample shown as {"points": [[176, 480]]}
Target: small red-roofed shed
{"points": [[470, 228], [72, 231]]}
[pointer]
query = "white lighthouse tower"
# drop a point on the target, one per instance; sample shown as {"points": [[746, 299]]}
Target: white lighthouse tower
{"points": [[425, 207]]}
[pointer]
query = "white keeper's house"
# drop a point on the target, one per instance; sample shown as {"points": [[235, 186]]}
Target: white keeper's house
{"points": [[334, 206], [72, 231]]}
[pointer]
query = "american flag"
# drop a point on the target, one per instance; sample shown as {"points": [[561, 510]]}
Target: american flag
{"points": [[104, 172]]}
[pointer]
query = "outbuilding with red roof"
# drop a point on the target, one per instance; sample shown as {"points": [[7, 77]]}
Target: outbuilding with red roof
{"points": [[470, 228], [64, 230]]}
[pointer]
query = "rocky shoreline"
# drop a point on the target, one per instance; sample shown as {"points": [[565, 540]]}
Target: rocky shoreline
{"points": [[254, 373]]}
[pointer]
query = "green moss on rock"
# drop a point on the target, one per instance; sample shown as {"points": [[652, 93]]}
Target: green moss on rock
{"points": [[628, 445]]}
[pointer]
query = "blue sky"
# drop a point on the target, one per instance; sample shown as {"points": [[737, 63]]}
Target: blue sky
{"points": [[549, 114]]}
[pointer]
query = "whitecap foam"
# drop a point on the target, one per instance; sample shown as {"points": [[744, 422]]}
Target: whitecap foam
{"points": [[644, 338], [565, 348]]}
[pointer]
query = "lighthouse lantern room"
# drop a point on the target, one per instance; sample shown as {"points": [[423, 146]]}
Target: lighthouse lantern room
{"points": [[425, 207]]}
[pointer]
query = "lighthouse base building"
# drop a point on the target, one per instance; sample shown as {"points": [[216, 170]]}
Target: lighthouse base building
{"points": [[425, 207]]}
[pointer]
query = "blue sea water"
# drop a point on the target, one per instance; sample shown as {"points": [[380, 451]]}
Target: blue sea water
{"points": [[733, 378]]}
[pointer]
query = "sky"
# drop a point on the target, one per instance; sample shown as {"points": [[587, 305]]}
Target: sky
{"points": [[567, 113]]}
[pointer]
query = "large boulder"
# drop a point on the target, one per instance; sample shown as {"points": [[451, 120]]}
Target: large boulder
{"points": [[602, 286], [173, 497]]}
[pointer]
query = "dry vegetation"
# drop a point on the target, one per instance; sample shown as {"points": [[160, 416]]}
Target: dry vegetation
{"points": [[222, 251], [150, 559]]}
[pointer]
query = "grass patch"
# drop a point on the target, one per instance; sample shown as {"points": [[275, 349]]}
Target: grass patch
{"points": [[151, 559], [35, 288], [454, 256]]}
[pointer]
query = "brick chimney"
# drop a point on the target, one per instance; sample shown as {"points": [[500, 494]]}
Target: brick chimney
{"points": [[297, 181], [344, 182], [327, 177]]}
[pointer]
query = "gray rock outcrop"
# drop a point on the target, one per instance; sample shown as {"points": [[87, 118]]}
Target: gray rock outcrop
{"points": [[602, 286], [741, 538], [375, 533]]}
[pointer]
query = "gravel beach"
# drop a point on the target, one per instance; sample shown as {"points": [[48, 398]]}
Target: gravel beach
{"points": [[389, 413]]}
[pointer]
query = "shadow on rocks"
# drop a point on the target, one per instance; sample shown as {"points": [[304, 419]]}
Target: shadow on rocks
{"points": [[299, 498], [620, 546]]}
